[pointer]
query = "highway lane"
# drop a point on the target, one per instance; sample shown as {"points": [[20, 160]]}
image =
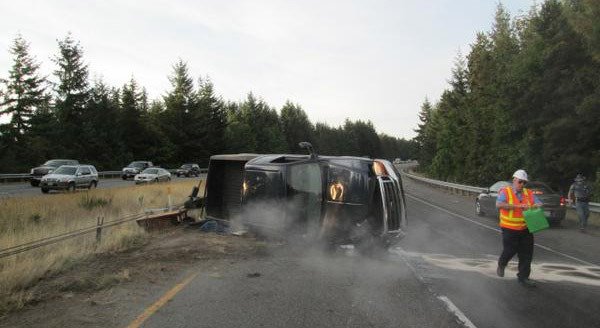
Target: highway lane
{"points": [[25, 189], [441, 275]]}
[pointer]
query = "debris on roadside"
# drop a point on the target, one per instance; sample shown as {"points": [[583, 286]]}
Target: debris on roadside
{"points": [[253, 275], [217, 226], [162, 218]]}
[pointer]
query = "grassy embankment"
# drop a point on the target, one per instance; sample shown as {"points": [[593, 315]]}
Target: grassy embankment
{"points": [[26, 219]]}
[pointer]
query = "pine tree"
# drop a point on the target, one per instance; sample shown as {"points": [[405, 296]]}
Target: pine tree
{"points": [[215, 115], [24, 90], [72, 93], [424, 138], [296, 127]]}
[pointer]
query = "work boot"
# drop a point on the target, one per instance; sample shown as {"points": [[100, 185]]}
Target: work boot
{"points": [[527, 283], [500, 270]]}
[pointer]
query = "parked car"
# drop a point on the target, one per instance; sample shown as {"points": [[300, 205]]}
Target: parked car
{"points": [[338, 199], [553, 203], [188, 170], [152, 174], [38, 172], [135, 168], [70, 177]]}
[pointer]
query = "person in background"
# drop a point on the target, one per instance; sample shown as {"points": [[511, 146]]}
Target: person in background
{"points": [[580, 194], [516, 239]]}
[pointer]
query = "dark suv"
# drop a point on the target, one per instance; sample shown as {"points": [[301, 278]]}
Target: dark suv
{"points": [[38, 172], [188, 170], [134, 168]]}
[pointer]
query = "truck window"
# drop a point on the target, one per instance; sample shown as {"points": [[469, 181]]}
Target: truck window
{"points": [[260, 185]]}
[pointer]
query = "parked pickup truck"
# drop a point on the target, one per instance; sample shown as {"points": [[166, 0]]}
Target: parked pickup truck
{"points": [[339, 199]]}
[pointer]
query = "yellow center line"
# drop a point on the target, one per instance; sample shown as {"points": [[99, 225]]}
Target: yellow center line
{"points": [[161, 301]]}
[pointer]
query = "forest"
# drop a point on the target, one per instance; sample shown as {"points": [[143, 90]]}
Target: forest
{"points": [[68, 115], [526, 95]]}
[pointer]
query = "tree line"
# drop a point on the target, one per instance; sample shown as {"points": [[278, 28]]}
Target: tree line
{"points": [[527, 95], [68, 115]]}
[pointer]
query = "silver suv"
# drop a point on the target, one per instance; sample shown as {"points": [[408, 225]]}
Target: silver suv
{"points": [[70, 177]]}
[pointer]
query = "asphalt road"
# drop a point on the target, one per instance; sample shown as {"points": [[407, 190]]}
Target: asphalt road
{"points": [[441, 275], [25, 189]]}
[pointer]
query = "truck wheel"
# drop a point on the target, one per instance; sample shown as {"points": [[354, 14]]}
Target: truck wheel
{"points": [[93, 185], [71, 187], [34, 183], [45, 190]]}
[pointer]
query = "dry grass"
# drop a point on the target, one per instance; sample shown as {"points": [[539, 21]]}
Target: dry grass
{"points": [[26, 219]]}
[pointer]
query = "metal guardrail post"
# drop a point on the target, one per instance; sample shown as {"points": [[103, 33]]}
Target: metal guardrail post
{"points": [[100, 223]]}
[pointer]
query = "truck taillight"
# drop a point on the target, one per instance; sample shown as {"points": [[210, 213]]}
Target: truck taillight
{"points": [[336, 191], [562, 201]]}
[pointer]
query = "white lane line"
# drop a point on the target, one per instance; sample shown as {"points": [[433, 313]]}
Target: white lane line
{"points": [[457, 312], [460, 316], [498, 230]]}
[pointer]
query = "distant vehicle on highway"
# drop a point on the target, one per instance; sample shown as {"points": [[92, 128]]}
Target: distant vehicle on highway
{"points": [[135, 168], [188, 170], [553, 203], [152, 174], [38, 172], [70, 177]]}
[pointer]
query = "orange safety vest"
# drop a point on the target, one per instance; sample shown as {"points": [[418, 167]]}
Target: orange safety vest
{"points": [[513, 219]]}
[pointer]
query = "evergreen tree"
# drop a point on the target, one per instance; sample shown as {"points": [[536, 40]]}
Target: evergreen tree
{"points": [[101, 130], [424, 138], [185, 120], [239, 136], [296, 127], [72, 94], [24, 90], [362, 139], [215, 115]]}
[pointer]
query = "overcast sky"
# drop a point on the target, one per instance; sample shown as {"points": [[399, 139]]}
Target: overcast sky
{"points": [[369, 60]]}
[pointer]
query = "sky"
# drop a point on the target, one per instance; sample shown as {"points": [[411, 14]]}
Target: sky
{"points": [[370, 60]]}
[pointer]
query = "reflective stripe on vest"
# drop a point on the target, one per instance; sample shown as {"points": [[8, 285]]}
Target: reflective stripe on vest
{"points": [[513, 218]]}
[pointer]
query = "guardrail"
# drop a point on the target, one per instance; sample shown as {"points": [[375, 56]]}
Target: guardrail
{"points": [[16, 177], [468, 190]]}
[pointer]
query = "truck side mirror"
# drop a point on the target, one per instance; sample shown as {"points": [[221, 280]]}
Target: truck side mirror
{"points": [[309, 147]]}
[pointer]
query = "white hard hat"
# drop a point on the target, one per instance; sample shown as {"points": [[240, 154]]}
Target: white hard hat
{"points": [[520, 174]]}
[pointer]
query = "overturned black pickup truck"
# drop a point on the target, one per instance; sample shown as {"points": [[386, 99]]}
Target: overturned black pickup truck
{"points": [[338, 199]]}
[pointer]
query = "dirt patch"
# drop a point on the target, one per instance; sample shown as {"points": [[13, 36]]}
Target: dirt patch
{"points": [[83, 294]]}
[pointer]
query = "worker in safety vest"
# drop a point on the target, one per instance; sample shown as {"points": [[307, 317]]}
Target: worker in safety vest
{"points": [[516, 239]]}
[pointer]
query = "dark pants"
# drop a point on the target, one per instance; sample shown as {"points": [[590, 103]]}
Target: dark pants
{"points": [[518, 242]]}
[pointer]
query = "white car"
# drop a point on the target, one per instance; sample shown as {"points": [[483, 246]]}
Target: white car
{"points": [[152, 174]]}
